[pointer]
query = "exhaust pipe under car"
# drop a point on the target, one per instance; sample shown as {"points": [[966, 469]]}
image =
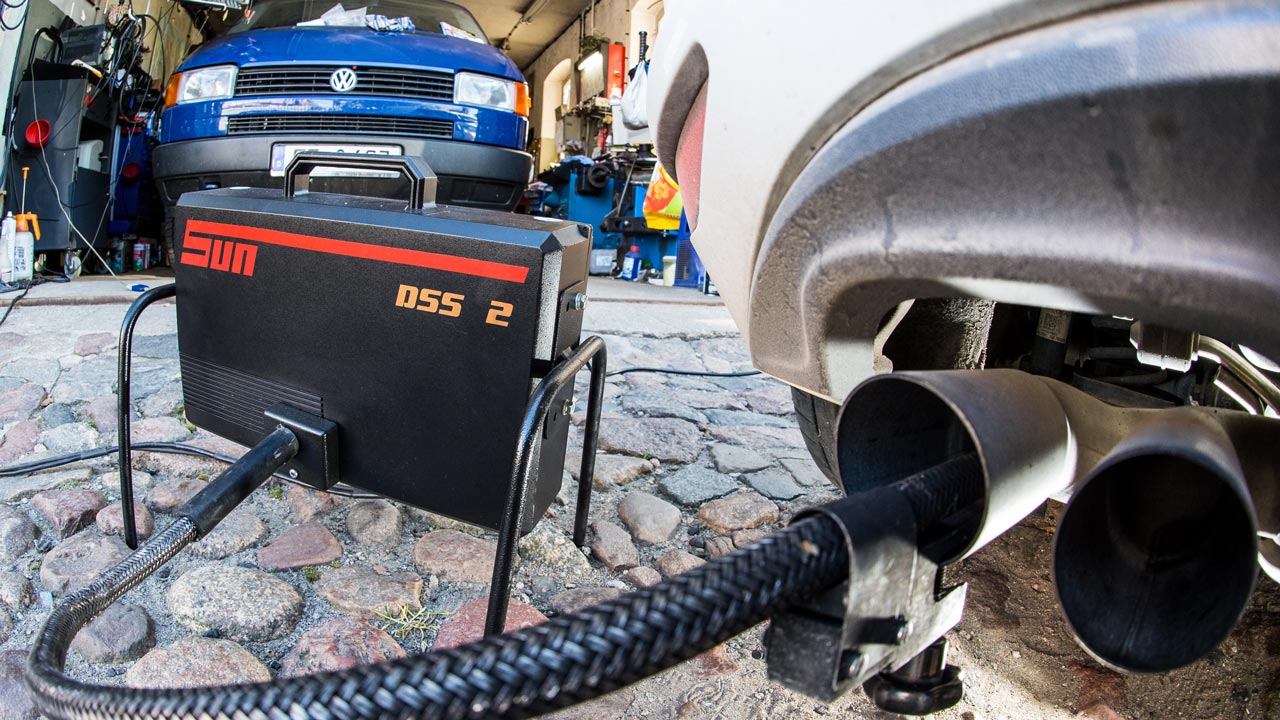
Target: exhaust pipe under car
{"points": [[1155, 557], [1156, 554]]}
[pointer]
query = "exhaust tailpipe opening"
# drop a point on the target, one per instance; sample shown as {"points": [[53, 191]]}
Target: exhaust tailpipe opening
{"points": [[1156, 554], [896, 425]]}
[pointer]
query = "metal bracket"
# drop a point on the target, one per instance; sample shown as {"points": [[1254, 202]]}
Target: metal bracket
{"points": [[891, 609], [124, 408], [316, 463], [540, 403]]}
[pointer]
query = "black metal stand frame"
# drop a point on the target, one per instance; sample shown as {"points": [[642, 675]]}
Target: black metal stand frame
{"points": [[535, 417], [592, 350], [124, 407]]}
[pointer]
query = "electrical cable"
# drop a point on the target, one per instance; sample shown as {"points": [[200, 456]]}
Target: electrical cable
{"points": [[673, 371], [13, 303], [42, 464], [38, 280]]}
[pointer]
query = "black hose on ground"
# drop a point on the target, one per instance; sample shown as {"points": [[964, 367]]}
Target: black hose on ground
{"points": [[567, 660], [564, 661]]}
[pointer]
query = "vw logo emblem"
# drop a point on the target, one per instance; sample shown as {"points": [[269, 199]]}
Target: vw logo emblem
{"points": [[343, 80]]}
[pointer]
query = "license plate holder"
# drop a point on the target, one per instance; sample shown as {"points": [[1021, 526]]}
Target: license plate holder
{"points": [[283, 153]]}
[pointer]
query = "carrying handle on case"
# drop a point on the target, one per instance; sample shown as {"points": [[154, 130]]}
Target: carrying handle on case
{"points": [[422, 181]]}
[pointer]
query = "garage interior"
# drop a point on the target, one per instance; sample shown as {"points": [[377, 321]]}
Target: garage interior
{"points": [[562, 48]]}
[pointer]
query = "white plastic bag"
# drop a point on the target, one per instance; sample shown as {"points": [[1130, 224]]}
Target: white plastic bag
{"points": [[635, 114]]}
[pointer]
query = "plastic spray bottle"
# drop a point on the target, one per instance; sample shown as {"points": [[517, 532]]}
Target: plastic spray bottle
{"points": [[8, 235], [24, 247], [631, 264]]}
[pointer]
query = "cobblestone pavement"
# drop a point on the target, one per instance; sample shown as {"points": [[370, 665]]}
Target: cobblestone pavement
{"points": [[297, 581]]}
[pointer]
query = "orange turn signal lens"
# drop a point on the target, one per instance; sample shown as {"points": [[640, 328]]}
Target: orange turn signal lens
{"points": [[171, 93], [522, 100]]}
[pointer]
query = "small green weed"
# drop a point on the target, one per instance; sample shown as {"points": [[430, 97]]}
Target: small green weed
{"points": [[419, 625]]}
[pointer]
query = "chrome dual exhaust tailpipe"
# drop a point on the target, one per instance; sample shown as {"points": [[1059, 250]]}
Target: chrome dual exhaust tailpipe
{"points": [[1156, 554], [1155, 557]]}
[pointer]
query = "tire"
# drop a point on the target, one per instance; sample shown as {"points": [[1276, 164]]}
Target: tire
{"points": [[817, 420]]}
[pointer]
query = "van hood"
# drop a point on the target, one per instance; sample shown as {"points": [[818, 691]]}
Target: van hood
{"points": [[354, 46]]}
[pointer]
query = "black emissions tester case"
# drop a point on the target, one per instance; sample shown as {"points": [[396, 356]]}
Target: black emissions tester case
{"points": [[420, 331]]}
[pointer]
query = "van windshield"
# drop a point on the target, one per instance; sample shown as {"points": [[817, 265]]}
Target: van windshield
{"points": [[427, 15]]}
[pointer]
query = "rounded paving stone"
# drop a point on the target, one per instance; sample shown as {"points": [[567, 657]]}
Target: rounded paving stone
{"points": [[612, 546], [69, 438], [746, 538], [94, 343], [68, 511], [719, 546], [614, 470], [651, 519], [775, 484], [160, 429], [677, 562], [735, 459], [456, 556], [694, 485], [308, 504], [375, 523], [18, 440], [170, 495], [362, 592], [103, 413], [668, 439], [307, 544], [774, 400], [121, 633], [575, 599], [76, 561], [237, 531], [548, 546], [15, 590], [15, 699], [643, 576], [57, 414], [111, 520], [339, 644], [467, 624], [239, 603], [196, 662], [19, 402], [742, 511], [142, 482], [17, 533]]}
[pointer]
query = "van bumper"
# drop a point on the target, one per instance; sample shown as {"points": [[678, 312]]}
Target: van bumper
{"points": [[467, 173]]}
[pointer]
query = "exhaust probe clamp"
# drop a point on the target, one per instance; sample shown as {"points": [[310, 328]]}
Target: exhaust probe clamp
{"points": [[883, 625]]}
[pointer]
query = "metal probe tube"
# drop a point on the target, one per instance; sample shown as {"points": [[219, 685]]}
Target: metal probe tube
{"points": [[1241, 368], [195, 519], [567, 660]]}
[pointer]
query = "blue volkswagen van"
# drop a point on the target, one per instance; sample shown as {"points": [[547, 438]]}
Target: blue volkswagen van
{"points": [[311, 75]]}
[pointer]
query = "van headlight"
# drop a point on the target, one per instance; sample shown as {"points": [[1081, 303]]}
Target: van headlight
{"points": [[209, 83], [486, 91]]}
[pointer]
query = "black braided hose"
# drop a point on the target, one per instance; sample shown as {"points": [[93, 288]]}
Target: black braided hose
{"points": [[562, 662]]}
